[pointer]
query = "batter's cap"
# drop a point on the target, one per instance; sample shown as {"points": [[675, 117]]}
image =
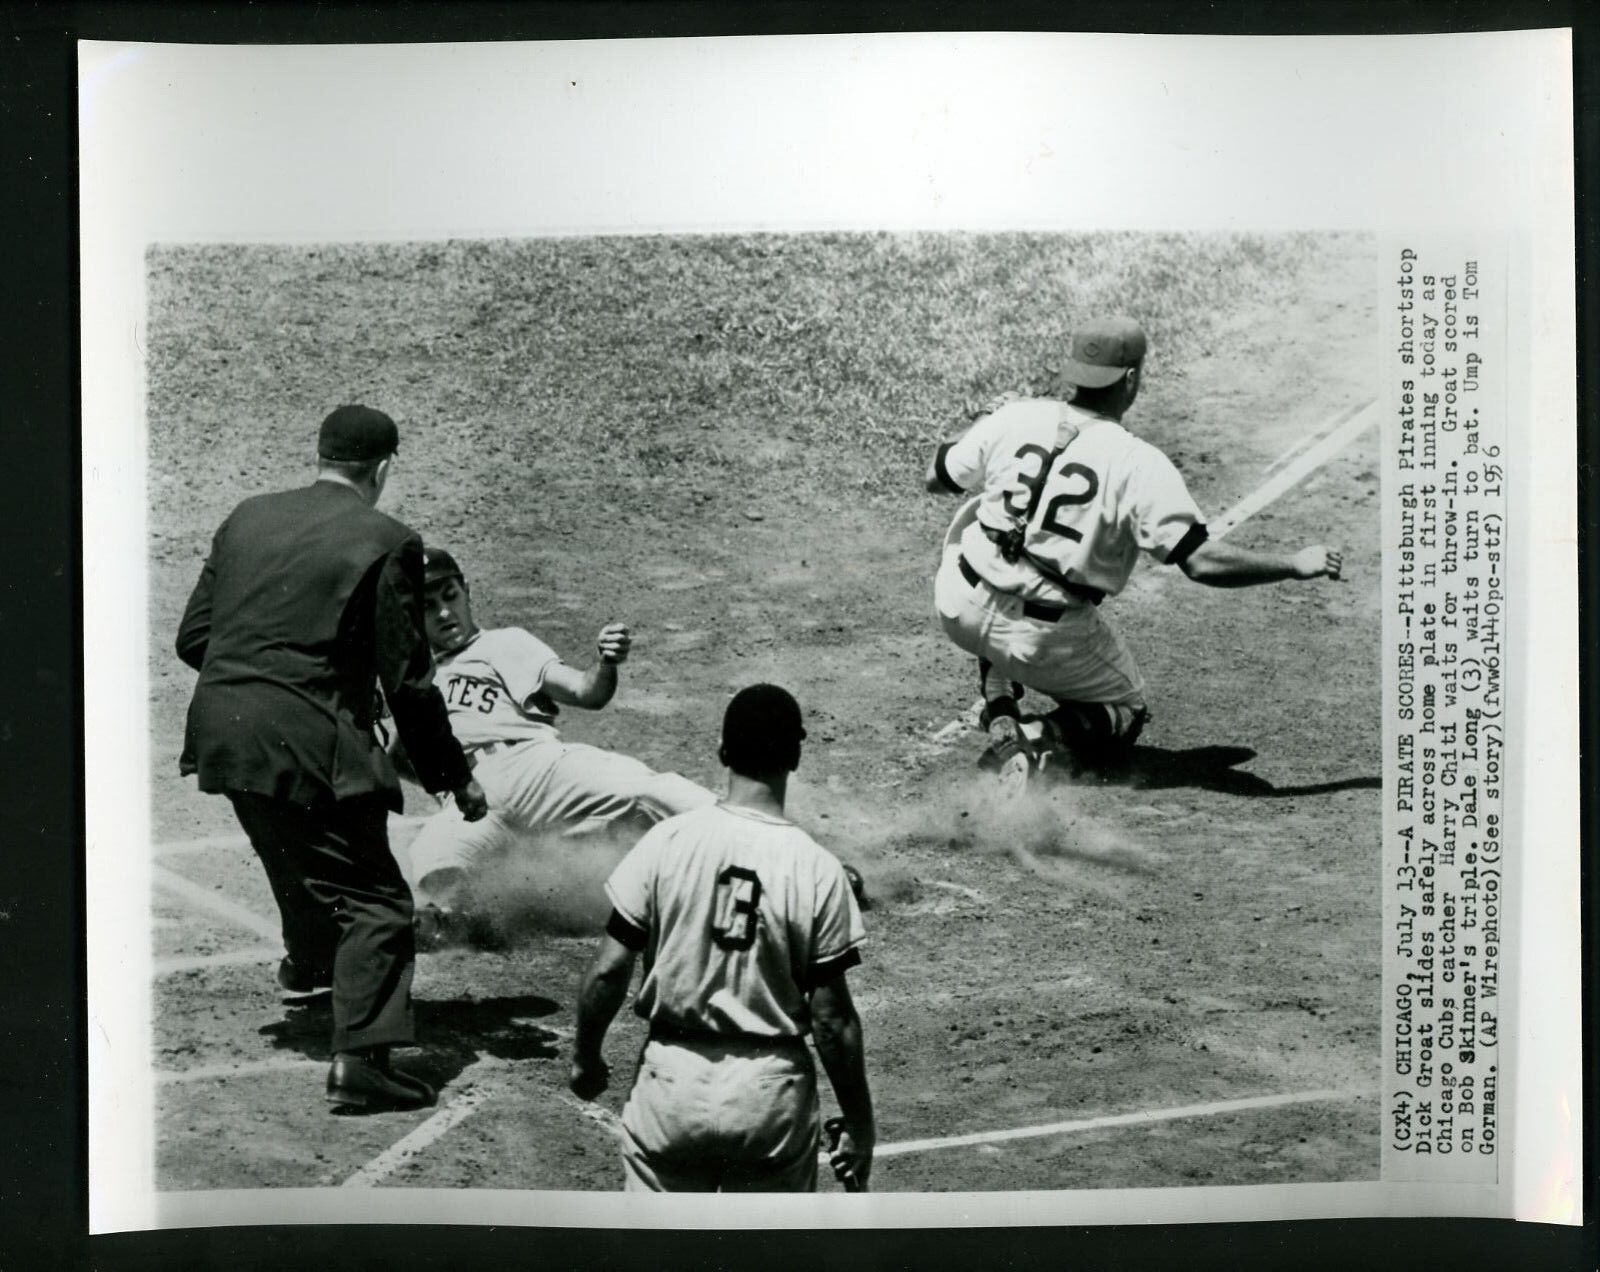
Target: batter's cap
{"points": [[1103, 351], [438, 565], [353, 434], [760, 727]]}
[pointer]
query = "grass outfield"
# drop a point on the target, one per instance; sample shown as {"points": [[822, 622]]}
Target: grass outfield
{"points": [[722, 439], [549, 390], [510, 357]]}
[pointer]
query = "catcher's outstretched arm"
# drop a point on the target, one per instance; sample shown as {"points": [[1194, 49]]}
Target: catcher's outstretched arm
{"points": [[1219, 564]]}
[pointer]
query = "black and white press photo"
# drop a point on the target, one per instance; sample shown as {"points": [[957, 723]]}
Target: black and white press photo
{"points": [[695, 643]]}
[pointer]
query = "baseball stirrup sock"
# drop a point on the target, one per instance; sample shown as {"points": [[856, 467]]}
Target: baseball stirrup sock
{"points": [[1002, 704], [1097, 729]]}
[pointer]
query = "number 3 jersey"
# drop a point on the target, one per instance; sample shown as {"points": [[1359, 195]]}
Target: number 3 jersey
{"points": [[1086, 494], [739, 915], [494, 685]]}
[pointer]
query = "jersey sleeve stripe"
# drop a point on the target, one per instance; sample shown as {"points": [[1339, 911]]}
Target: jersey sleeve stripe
{"points": [[622, 911], [827, 969], [530, 701], [626, 932], [1184, 548], [942, 472]]}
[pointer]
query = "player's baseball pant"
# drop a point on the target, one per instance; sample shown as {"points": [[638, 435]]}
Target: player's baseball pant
{"points": [[722, 1117], [1077, 658], [541, 787]]}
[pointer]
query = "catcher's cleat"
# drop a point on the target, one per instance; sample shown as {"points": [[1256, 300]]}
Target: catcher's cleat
{"points": [[1014, 774], [1010, 754]]}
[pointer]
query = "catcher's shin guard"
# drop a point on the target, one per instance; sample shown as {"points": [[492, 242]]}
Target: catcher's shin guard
{"points": [[1010, 755], [1098, 735], [1000, 704]]}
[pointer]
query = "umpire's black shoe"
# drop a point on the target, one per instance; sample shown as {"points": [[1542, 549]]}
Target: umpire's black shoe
{"points": [[356, 1082], [302, 985]]}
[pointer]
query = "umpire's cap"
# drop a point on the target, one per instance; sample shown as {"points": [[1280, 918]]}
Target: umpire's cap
{"points": [[761, 731], [352, 434], [1103, 351], [438, 565]]}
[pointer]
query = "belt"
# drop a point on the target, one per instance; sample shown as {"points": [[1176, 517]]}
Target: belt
{"points": [[1041, 610], [662, 1031]]}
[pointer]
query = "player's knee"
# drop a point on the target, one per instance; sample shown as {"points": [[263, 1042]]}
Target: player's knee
{"points": [[1099, 730], [673, 793], [441, 887]]}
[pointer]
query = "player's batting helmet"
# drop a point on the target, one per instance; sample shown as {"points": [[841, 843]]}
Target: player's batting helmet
{"points": [[438, 565]]}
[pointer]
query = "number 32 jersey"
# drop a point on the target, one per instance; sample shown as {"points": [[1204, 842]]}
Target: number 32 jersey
{"points": [[739, 914], [1088, 494]]}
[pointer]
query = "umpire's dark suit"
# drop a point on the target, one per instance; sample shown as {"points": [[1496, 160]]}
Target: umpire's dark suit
{"points": [[308, 596]]}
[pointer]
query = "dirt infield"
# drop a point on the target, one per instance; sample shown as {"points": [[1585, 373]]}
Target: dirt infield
{"points": [[721, 440]]}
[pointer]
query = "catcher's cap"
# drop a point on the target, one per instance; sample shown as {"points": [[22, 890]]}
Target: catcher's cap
{"points": [[438, 565], [1103, 351], [355, 433], [761, 730]]}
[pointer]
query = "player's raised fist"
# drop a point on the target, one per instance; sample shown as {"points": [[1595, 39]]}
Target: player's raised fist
{"points": [[1318, 561], [614, 643]]}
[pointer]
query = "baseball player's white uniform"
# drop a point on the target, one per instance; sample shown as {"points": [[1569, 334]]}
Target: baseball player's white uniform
{"points": [[738, 914], [1089, 496], [535, 782]]}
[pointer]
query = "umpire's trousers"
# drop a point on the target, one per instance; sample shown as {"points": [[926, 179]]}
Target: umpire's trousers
{"points": [[345, 907]]}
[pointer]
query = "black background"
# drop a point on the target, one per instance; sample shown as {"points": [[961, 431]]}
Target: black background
{"points": [[43, 1171]]}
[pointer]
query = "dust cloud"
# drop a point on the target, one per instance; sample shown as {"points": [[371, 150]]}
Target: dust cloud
{"points": [[1049, 830], [554, 885], [547, 886]]}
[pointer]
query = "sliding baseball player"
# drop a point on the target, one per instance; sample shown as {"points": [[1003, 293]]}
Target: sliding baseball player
{"points": [[504, 688]]}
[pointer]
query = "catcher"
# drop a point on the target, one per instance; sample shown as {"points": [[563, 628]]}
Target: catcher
{"points": [[504, 688], [1065, 500]]}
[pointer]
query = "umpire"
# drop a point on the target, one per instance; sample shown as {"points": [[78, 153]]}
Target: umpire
{"points": [[308, 597]]}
